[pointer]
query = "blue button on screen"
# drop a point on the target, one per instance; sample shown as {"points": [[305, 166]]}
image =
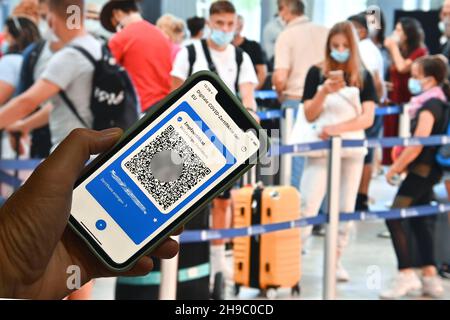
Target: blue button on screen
{"points": [[101, 225]]}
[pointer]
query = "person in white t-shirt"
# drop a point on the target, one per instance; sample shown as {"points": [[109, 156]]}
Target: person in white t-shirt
{"points": [[68, 70], [224, 58], [373, 61]]}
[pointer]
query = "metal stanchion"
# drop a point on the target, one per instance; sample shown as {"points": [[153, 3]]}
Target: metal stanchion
{"points": [[405, 123], [287, 124], [169, 278], [332, 228]]}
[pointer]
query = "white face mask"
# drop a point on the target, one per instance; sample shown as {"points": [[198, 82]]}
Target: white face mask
{"points": [[93, 26], [43, 28]]}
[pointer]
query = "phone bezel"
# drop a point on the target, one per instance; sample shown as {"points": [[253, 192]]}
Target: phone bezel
{"points": [[234, 109]]}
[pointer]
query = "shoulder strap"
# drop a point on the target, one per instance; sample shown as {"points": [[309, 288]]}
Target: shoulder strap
{"points": [[211, 65], [85, 53], [192, 56], [64, 96], [72, 108], [239, 60], [34, 56]]}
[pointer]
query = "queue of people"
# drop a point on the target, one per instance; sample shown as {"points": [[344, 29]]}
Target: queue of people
{"points": [[335, 77]]}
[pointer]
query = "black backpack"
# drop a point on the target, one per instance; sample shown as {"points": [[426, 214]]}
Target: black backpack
{"points": [[113, 101], [41, 143], [192, 56]]}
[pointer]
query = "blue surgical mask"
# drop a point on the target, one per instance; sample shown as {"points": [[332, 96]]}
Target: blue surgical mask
{"points": [[415, 86], [340, 56], [5, 47], [221, 38]]}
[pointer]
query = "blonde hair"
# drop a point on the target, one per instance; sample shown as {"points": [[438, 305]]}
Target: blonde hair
{"points": [[171, 26], [27, 9], [353, 67]]}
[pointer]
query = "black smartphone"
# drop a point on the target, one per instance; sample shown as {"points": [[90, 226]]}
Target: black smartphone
{"points": [[190, 147]]}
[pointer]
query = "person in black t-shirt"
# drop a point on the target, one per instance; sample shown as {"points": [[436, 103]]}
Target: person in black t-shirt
{"points": [[254, 50], [423, 173], [339, 100]]}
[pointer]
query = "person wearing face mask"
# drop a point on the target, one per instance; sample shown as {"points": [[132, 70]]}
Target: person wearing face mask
{"points": [[93, 25], [429, 84], [75, 81], [339, 100], [35, 59], [405, 46], [235, 68], [141, 48], [254, 50], [19, 33]]}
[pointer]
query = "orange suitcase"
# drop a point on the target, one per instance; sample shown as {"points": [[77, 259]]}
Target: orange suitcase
{"points": [[272, 260]]}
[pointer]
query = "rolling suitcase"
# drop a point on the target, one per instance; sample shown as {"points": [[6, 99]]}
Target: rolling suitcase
{"points": [[272, 260]]}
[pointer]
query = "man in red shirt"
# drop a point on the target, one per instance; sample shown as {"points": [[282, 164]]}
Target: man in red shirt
{"points": [[141, 48]]}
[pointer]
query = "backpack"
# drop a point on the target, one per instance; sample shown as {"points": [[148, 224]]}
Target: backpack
{"points": [[114, 101], [41, 142], [443, 152], [192, 56]]}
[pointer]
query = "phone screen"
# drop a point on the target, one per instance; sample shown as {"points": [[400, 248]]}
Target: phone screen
{"points": [[171, 164]]}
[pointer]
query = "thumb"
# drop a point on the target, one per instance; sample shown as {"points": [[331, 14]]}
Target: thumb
{"points": [[69, 159]]}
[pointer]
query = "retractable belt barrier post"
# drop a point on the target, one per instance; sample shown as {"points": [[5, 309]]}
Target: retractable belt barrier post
{"points": [[332, 228], [169, 277], [287, 124], [404, 123]]}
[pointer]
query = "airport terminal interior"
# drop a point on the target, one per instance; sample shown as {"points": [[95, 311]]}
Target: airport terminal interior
{"points": [[354, 96]]}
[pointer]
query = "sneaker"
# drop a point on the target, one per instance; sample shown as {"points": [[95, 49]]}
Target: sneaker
{"points": [[384, 234], [318, 231], [342, 274], [403, 284], [432, 287], [362, 202]]}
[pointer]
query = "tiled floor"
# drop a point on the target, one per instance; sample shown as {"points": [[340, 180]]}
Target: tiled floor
{"points": [[370, 261]]}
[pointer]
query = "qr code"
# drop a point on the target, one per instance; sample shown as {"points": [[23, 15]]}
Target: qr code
{"points": [[166, 194]]}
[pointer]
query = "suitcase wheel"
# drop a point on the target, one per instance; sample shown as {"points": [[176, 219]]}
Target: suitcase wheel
{"points": [[271, 293]]}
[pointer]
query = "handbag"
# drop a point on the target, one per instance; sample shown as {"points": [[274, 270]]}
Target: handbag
{"points": [[339, 107]]}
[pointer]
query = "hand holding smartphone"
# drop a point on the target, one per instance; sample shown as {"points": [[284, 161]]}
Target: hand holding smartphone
{"points": [[336, 75], [335, 81], [184, 153]]}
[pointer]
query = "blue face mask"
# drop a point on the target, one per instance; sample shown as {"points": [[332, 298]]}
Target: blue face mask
{"points": [[341, 57], [5, 47], [221, 38], [415, 86]]}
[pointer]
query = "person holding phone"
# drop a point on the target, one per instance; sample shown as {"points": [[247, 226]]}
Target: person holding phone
{"points": [[340, 97], [36, 245], [405, 46]]}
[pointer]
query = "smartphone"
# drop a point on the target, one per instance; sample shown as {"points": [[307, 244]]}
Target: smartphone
{"points": [[190, 147], [336, 75]]}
